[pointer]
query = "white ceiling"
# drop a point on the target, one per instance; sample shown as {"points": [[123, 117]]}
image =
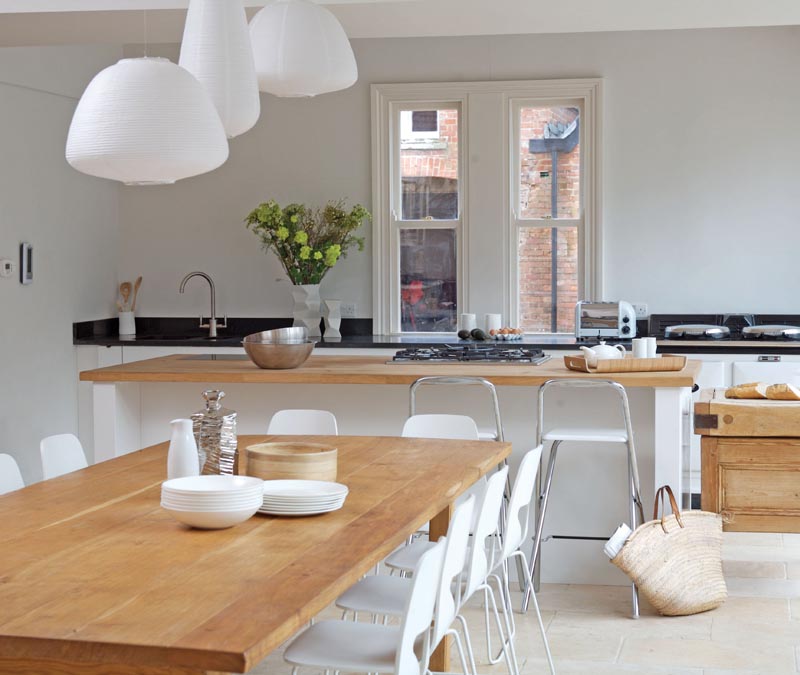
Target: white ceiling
{"points": [[120, 21]]}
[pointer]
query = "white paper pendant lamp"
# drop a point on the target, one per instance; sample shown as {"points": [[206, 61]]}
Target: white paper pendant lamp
{"points": [[145, 122], [216, 50], [301, 50]]}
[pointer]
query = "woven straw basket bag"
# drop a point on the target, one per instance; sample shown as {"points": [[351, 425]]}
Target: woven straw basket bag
{"points": [[677, 561]]}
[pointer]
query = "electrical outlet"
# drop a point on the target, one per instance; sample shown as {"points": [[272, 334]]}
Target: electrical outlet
{"points": [[641, 309], [348, 310]]}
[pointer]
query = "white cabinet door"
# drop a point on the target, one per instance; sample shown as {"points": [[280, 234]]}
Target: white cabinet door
{"points": [[771, 373]]}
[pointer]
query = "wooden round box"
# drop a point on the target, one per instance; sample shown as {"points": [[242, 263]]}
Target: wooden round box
{"points": [[290, 460]]}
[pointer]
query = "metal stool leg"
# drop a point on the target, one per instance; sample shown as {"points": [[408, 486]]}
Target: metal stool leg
{"points": [[537, 540], [632, 502]]}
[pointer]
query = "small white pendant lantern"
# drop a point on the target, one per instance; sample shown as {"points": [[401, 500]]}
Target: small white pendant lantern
{"points": [[145, 121], [216, 50], [301, 49]]}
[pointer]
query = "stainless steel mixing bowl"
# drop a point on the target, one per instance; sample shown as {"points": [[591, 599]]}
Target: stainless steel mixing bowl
{"points": [[280, 335], [278, 355]]}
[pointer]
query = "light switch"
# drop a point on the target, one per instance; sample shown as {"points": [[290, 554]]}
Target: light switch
{"points": [[6, 267]]}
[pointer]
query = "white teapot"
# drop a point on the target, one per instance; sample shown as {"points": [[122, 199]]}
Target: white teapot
{"points": [[602, 351]]}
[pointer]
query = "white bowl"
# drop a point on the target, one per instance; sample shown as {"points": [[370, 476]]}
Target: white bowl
{"points": [[212, 520], [192, 506], [213, 496], [233, 500], [212, 484]]}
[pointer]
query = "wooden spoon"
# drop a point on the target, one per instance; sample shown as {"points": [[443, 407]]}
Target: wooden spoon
{"points": [[125, 292], [136, 292]]}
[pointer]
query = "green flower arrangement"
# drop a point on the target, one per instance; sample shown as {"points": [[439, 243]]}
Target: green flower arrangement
{"points": [[308, 242]]}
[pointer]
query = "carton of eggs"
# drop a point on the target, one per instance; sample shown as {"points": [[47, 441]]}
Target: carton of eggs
{"points": [[506, 334]]}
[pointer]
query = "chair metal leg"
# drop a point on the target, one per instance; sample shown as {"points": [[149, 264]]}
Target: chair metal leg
{"points": [[537, 540], [542, 630], [634, 502]]}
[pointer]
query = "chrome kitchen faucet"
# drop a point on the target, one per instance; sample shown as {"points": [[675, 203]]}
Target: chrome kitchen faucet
{"points": [[212, 320]]}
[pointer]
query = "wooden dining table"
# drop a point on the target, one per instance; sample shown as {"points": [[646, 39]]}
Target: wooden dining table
{"points": [[96, 578]]}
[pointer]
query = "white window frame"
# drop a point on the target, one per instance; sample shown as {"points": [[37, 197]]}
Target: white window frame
{"points": [[388, 98], [518, 223], [392, 222]]}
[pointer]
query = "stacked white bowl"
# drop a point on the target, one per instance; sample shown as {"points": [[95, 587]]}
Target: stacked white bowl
{"points": [[212, 502]]}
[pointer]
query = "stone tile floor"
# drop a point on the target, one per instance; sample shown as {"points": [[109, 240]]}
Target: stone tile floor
{"points": [[757, 631]]}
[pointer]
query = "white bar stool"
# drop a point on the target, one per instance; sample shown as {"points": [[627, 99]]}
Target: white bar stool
{"points": [[560, 435], [496, 435]]}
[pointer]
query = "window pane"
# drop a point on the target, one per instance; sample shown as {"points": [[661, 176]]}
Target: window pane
{"points": [[549, 146], [548, 279], [428, 280], [429, 164]]}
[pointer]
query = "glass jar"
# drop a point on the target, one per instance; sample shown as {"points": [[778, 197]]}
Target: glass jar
{"points": [[215, 433]]}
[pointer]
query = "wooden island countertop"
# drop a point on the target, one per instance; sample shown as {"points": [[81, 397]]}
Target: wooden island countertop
{"points": [[321, 369]]}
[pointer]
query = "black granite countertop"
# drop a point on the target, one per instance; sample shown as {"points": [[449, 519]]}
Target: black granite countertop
{"points": [[357, 334]]}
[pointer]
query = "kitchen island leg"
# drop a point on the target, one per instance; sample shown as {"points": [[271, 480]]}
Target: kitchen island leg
{"points": [[116, 408], [671, 438]]}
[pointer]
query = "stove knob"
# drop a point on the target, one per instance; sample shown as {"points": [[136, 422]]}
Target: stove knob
{"points": [[626, 330], [626, 319]]}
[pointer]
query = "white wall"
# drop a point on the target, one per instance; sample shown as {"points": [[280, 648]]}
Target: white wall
{"points": [[700, 200], [72, 221]]}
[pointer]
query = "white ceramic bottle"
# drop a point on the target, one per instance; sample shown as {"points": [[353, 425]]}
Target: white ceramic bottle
{"points": [[182, 458]]}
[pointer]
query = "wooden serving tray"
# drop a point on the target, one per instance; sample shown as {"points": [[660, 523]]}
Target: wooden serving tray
{"points": [[627, 365]]}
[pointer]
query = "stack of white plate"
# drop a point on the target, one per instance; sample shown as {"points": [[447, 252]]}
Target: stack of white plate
{"points": [[212, 502], [302, 497]]}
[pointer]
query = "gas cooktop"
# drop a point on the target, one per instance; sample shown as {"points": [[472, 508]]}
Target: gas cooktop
{"points": [[471, 354], [767, 327]]}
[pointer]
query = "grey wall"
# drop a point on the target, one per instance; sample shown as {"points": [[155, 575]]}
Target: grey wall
{"points": [[72, 220], [700, 202]]}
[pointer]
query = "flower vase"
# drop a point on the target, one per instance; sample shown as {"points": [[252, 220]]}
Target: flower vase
{"points": [[306, 311], [333, 319]]}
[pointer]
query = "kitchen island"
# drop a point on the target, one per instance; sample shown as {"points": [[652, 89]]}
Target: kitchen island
{"points": [[134, 402]]}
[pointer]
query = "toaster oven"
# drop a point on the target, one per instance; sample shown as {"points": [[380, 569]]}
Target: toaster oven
{"points": [[605, 320]]}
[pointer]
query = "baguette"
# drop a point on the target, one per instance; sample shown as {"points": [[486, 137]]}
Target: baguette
{"points": [[748, 390], [783, 392]]}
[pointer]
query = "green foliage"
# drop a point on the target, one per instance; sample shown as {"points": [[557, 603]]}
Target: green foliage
{"points": [[308, 242]]}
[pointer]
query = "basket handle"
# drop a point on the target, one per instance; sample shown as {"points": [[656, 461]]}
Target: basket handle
{"points": [[666, 489]]}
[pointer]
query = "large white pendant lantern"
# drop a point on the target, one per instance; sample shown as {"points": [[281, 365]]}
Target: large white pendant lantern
{"points": [[145, 121], [216, 50], [301, 50]]}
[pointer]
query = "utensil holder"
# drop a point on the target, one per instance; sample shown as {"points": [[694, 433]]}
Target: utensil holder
{"points": [[127, 323]]}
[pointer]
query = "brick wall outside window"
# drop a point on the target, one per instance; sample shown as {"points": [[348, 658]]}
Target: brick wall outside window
{"points": [[534, 248]]}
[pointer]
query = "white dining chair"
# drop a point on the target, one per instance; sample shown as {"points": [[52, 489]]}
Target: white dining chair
{"points": [[458, 427], [10, 477], [375, 648], [515, 534], [62, 453], [479, 564], [298, 422], [455, 427], [381, 595]]}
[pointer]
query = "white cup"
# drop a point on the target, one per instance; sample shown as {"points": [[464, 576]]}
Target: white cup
{"points": [[651, 347], [493, 321], [127, 323], [640, 348], [468, 322]]}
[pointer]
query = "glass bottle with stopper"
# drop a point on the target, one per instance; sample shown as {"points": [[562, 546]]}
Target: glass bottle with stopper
{"points": [[215, 432]]}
